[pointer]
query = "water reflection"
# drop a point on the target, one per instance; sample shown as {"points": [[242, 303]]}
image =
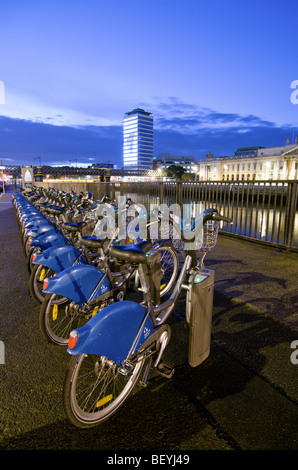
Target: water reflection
{"points": [[266, 224]]}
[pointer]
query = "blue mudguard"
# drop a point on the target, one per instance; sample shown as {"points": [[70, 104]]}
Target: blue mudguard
{"points": [[41, 229], [32, 216], [78, 282], [60, 257], [48, 239], [111, 331], [33, 222]]}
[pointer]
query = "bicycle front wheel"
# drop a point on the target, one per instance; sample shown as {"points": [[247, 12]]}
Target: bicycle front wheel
{"points": [[94, 389], [169, 268]]}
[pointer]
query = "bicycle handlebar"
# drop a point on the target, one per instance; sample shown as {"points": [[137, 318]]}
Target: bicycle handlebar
{"points": [[212, 214], [221, 218]]}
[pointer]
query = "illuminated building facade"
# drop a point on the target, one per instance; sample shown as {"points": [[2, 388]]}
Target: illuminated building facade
{"points": [[253, 163], [138, 140]]}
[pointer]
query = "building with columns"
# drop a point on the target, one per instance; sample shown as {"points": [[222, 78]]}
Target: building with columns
{"points": [[253, 163]]}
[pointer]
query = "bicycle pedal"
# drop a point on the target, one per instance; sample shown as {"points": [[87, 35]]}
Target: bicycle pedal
{"points": [[165, 370]]}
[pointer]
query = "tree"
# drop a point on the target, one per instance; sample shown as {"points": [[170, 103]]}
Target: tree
{"points": [[188, 176], [175, 171]]}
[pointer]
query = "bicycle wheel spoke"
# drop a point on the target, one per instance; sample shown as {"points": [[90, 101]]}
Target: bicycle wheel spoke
{"points": [[94, 388]]}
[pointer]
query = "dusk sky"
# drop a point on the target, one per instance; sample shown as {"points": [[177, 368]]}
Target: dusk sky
{"points": [[216, 75]]}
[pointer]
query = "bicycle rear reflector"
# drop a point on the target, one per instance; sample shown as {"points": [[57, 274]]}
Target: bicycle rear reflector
{"points": [[73, 338]]}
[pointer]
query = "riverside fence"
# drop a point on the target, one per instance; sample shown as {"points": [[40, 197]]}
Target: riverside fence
{"points": [[262, 211]]}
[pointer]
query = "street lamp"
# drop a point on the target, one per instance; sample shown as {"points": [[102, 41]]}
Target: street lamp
{"points": [[1, 171]]}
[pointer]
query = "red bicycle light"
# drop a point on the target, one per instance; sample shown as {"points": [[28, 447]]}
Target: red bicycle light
{"points": [[30, 241], [45, 284], [73, 338], [34, 257]]}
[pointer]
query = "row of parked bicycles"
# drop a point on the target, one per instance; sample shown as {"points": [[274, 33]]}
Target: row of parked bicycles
{"points": [[107, 277]]}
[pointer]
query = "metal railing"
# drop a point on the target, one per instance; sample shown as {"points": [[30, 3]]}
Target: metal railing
{"points": [[263, 211]]}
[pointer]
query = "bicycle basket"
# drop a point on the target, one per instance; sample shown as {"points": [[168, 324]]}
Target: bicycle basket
{"points": [[210, 235]]}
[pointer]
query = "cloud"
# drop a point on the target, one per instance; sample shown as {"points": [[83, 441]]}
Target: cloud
{"points": [[179, 128], [220, 142], [22, 140], [188, 118]]}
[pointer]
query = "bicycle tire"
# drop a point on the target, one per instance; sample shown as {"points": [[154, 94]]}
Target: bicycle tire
{"points": [[56, 329], [29, 263], [169, 268], [38, 273], [99, 402]]}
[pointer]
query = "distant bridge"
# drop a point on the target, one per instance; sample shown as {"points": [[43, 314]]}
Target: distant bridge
{"points": [[70, 171]]}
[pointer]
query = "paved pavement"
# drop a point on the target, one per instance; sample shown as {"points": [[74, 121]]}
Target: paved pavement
{"points": [[244, 396], [266, 278]]}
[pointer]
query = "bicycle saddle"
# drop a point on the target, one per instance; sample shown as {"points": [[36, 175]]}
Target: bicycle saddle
{"points": [[74, 226], [56, 210], [91, 241], [131, 253]]}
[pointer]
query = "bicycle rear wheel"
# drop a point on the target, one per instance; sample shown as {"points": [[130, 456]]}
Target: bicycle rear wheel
{"points": [[94, 389], [38, 274], [58, 319]]}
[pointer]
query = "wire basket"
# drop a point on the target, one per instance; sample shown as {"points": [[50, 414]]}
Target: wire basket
{"points": [[210, 235]]}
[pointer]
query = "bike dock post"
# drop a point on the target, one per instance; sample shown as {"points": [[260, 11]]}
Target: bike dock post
{"points": [[199, 307]]}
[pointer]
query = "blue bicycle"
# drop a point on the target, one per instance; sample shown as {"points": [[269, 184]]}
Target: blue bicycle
{"points": [[111, 350]]}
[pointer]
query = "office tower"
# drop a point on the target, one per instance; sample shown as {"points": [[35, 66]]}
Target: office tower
{"points": [[138, 140]]}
